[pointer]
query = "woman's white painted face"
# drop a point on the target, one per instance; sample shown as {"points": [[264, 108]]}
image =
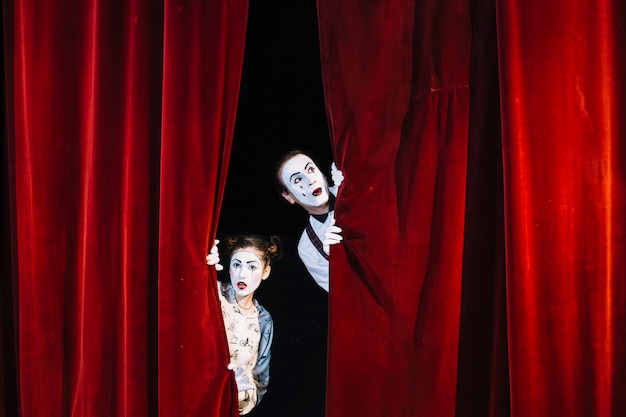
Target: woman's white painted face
{"points": [[305, 181], [247, 271]]}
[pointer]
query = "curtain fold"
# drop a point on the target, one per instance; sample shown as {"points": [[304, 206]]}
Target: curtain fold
{"points": [[483, 379], [482, 267], [199, 102], [123, 121], [397, 87], [563, 154], [480, 273]]}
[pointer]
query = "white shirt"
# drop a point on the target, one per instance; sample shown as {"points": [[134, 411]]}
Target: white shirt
{"points": [[313, 260]]}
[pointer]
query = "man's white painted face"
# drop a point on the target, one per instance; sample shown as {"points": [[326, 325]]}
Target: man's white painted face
{"points": [[246, 271], [305, 181]]}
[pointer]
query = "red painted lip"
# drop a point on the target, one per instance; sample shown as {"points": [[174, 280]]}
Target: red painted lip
{"points": [[242, 285], [317, 192]]}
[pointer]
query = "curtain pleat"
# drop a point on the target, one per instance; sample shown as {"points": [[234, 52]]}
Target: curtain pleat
{"points": [[199, 100], [563, 155], [396, 81], [479, 273], [123, 122], [483, 379]]}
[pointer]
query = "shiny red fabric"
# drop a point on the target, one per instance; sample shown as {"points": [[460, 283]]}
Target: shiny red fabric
{"points": [[481, 271], [565, 193], [397, 90], [482, 268], [123, 121]]}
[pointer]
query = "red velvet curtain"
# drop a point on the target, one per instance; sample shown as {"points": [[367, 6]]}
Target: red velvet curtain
{"points": [[120, 123], [482, 267], [562, 77]]}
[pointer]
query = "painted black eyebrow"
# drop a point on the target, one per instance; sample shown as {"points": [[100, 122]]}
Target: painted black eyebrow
{"points": [[293, 175], [247, 262], [298, 173]]}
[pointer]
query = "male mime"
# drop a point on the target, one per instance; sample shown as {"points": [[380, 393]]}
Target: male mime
{"points": [[300, 181]]}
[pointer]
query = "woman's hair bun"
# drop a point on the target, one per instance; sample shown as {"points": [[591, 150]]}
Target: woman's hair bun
{"points": [[271, 247]]}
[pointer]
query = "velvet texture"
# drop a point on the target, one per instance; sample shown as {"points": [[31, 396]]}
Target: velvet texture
{"points": [[123, 115], [565, 183], [482, 268]]}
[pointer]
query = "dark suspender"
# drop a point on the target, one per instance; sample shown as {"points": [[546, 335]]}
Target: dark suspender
{"points": [[315, 240]]}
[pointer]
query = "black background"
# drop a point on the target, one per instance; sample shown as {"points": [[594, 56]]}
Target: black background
{"points": [[281, 107]]}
